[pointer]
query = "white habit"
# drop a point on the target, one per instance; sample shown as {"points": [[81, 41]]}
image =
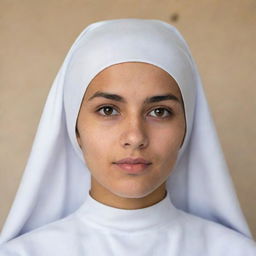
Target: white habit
{"points": [[159, 230], [52, 215]]}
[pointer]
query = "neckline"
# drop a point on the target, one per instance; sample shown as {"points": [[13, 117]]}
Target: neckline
{"points": [[98, 214]]}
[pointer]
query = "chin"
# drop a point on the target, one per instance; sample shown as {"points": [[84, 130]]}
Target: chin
{"points": [[133, 192]]}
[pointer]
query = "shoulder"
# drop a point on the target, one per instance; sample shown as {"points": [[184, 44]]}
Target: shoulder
{"points": [[40, 241], [214, 236]]}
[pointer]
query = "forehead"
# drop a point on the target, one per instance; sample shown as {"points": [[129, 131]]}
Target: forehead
{"points": [[131, 77]]}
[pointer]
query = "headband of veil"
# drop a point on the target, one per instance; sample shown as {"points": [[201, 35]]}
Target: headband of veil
{"points": [[56, 179]]}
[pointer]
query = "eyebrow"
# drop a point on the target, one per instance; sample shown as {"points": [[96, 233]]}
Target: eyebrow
{"points": [[107, 96], [148, 100], [158, 98]]}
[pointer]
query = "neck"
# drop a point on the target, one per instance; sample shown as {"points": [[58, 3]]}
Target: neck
{"points": [[106, 197]]}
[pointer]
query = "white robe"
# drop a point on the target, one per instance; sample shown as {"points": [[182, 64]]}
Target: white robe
{"points": [[96, 229], [44, 219]]}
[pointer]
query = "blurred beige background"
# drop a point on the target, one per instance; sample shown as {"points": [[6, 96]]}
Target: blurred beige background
{"points": [[35, 36]]}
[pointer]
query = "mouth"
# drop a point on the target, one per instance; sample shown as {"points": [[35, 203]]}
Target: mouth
{"points": [[133, 165]]}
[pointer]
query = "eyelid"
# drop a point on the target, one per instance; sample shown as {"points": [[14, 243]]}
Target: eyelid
{"points": [[105, 106], [169, 110], [163, 107]]}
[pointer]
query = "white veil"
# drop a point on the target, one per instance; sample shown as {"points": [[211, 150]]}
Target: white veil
{"points": [[56, 179]]}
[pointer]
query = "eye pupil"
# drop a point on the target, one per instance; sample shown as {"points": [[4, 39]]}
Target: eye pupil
{"points": [[159, 111], [108, 110]]}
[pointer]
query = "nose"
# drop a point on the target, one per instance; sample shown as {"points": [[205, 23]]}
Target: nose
{"points": [[134, 135]]}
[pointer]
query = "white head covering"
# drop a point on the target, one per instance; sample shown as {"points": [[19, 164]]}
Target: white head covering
{"points": [[56, 179]]}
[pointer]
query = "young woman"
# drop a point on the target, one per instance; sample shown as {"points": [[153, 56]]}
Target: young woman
{"points": [[126, 160]]}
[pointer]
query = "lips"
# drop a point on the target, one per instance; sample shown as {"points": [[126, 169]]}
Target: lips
{"points": [[133, 165], [133, 161]]}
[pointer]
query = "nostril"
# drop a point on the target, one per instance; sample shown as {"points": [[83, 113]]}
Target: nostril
{"points": [[141, 145]]}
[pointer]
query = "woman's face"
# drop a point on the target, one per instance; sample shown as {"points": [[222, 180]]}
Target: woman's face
{"points": [[131, 110]]}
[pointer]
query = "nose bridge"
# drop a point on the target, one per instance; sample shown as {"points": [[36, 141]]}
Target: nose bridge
{"points": [[135, 133]]}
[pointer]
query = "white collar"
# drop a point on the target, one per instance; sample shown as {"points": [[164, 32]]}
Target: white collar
{"points": [[98, 214]]}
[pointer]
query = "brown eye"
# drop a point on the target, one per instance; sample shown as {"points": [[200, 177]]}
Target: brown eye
{"points": [[107, 111], [161, 112]]}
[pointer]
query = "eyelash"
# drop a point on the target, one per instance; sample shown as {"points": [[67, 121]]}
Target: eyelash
{"points": [[169, 111]]}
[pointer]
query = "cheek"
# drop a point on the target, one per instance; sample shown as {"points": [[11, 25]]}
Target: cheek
{"points": [[95, 142], [166, 143], [170, 134]]}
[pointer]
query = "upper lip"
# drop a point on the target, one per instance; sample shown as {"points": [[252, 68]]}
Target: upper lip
{"points": [[133, 161]]}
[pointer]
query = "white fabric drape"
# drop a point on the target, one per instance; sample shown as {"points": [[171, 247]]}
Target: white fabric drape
{"points": [[56, 178]]}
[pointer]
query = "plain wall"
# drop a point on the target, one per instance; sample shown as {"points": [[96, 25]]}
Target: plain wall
{"points": [[36, 35]]}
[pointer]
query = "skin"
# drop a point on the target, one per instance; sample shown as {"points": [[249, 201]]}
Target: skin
{"points": [[109, 130]]}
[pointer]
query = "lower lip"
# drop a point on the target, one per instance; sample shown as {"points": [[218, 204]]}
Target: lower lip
{"points": [[133, 168]]}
